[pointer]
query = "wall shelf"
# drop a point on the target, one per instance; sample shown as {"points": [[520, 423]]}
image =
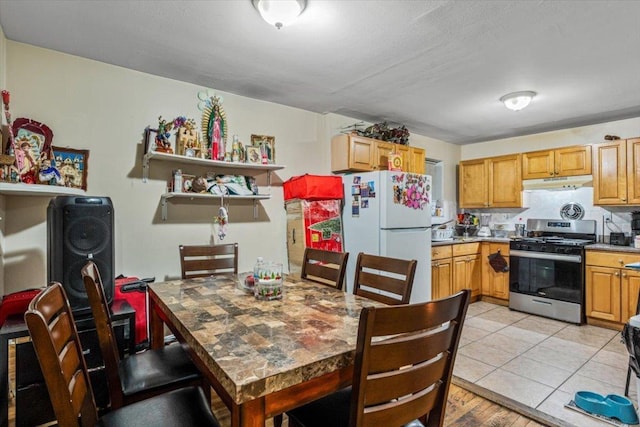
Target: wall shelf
{"points": [[166, 197], [21, 189], [220, 167], [234, 168]]}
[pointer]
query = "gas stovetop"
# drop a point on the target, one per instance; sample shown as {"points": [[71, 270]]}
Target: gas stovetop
{"points": [[556, 236], [556, 240]]}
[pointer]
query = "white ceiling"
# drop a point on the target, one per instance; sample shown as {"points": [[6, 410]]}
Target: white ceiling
{"points": [[439, 67]]}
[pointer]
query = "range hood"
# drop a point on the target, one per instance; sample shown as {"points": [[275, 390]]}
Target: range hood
{"points": [[559, 183]]}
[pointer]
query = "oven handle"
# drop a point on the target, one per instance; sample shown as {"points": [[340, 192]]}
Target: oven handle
{"points": [[543, 255]]}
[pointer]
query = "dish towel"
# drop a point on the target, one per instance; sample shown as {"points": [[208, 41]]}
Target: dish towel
{"points": [[498, 263]]}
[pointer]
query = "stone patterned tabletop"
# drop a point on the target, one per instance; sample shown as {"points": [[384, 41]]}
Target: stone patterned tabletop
{"points": [[255, 348]]}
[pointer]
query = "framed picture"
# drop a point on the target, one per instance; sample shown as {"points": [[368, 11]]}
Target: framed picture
{"points": [[32, 138], [267, 144], [253, 154], [149, 139], [72, 165]]}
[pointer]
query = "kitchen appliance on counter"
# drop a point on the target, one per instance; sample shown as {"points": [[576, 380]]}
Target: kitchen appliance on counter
{"points": [[635, 224], [618, 239], [484, 230], [388, 213], [547, 272]]}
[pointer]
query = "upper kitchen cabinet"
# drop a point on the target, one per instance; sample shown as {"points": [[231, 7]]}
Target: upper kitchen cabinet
{"points": [[567, 161], [616, 172], [494, 182], [353, 153]]}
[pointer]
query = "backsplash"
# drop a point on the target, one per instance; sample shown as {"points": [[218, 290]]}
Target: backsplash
{"points": [[548, 203]]}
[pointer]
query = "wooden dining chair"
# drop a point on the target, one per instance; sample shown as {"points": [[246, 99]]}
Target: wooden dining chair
{"points": [[393, 276], [208, 260], [55, 339], [326, 267], [634, 365], [140, 375], [402, 371]]}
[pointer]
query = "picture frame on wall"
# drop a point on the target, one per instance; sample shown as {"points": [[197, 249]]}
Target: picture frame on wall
{"points": [[266, 143], [72, 165], [253, 154], [149, 140]]}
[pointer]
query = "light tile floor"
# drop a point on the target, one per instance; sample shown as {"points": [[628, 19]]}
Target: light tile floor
{"points": [[540, 362]]}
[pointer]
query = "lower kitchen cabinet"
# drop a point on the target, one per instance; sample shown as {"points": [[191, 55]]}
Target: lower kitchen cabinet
{"points": [[441, 272], [467, 271], [495, 284], [611, 289]]}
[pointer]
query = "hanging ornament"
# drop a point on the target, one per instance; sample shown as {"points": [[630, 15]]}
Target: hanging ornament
{"points": [[222, 220]]}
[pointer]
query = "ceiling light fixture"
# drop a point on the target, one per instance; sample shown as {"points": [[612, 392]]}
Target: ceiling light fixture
{"points": [[518, 100], [279, 12]]}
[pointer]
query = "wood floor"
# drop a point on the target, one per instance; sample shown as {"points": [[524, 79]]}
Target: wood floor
{"points": [[464, 409]]}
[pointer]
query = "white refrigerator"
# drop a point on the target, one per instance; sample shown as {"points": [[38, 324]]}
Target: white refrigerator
{"points": [[388, 213]]}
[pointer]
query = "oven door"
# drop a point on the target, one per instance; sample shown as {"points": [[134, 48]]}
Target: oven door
{"points": [[553, 276]]}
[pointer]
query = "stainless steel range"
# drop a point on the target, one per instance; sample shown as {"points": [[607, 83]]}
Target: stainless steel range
{"points": [[546, 275]]}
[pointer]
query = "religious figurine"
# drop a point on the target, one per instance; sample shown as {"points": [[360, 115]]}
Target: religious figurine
{"points": [[214, 127], [187, 137], [163, 143], [49, 174]]}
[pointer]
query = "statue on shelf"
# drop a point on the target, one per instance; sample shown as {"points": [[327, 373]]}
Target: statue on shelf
{"points": [[187, 137], [163, 142]]}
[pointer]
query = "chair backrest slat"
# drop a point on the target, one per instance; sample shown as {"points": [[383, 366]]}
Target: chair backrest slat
{"points": [[404, 361], [55, 339], [208, 260], [104, 328], [326, 267], [392, 276]]}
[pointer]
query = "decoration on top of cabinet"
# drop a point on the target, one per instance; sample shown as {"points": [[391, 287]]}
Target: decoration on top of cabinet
{"points": [[72, 165], [383, 132], [267, 147], [611, 137], [214, 125], [354, 128]]}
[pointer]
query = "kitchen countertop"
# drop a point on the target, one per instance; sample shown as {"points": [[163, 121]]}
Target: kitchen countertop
{"points": [[460, 240], [594, 247], [612, 248]]}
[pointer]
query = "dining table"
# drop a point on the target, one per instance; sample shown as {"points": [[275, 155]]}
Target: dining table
{"points": [[262, 357]]}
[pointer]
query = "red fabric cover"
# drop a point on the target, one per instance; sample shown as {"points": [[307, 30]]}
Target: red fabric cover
{"points": [[313, 187], [16, 303], [138, 300]]}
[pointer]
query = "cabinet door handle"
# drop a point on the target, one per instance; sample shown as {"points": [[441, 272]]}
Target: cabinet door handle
{"points": [[293, 236], [624, 274], [616, 274]]}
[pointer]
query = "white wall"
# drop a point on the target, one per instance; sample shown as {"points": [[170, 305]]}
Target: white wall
{"points": [[591, 134], [104, 108]]}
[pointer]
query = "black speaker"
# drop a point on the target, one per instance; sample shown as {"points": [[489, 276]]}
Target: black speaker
{"points": [[80, 229]]}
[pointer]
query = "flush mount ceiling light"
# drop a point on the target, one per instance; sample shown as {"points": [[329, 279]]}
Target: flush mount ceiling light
{"points": [[279, 12], [518, 100]]}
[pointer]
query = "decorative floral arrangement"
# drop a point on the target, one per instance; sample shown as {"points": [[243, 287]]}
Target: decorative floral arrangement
{"points": [[382, 131]]}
